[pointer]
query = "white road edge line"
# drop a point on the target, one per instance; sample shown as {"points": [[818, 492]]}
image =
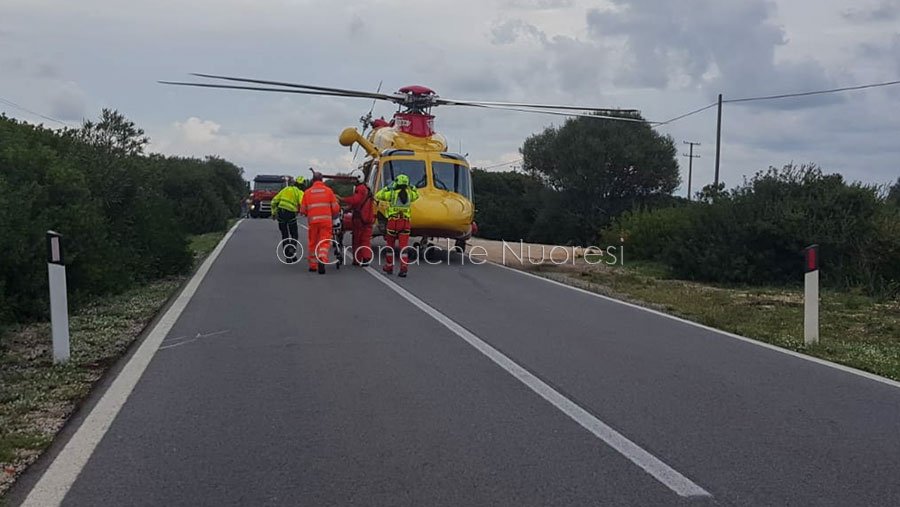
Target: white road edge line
{"points": [[662, 472], [847, 369], [59, 477]]}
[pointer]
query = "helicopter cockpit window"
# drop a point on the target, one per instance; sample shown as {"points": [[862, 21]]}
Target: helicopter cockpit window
{"points": [[415, 169], [452, 178], [398, 153]]}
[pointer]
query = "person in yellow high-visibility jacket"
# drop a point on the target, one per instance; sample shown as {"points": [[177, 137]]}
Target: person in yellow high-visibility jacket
{"points": [[285, 206], [399, 196]]}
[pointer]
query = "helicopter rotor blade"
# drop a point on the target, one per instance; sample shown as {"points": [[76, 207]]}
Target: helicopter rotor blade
{"points": [[263, 89], [340, 91], [280, 87], [454, 102], [563, 113]]}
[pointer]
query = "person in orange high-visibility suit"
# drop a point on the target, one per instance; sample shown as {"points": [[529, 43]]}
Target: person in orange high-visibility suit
{"points": [[320, 206], [362, 205]]}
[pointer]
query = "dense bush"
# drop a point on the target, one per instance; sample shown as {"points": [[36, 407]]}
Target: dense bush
{"points": [[756, 232], [124, 216], [506, 204], [894, 194], [512, 206]]}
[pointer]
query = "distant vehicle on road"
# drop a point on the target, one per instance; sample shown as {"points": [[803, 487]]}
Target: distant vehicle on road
{"points": [[265, 186]]}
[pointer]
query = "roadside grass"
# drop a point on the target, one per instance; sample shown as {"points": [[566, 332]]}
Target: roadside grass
{"points": [[36, 396], [202, 244], [855, 330]]}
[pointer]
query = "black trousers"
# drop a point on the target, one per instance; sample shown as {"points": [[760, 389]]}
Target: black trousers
{"points": [[287, 224]]}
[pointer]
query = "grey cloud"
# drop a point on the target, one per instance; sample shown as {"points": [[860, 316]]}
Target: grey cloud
{"points": [[883, 52], [894, 54], [574, 64], [578, 65], [871, 51], [46, 71], [886, 10], [512, 30], [316, 116], [68, 103], [11, 65], [357, 26], [539, 4], [476, 84], [724, 47], [42, 70]]}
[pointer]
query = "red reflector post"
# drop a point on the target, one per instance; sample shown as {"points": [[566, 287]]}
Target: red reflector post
{"points": [[812, 258]]}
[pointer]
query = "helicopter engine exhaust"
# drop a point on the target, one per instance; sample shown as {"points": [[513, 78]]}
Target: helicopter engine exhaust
{"points": [[350, 135]]}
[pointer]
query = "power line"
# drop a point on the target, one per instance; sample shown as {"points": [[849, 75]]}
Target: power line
{"points": [[511, 162], [779, 96], [685, 115], [23, 108], [816, 92]]}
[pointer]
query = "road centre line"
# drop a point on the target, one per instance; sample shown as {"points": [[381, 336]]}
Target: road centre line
{"points": [[662, 472], [59, 477]]}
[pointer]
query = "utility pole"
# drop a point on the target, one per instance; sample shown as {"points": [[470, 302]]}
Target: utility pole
{"points": [[718, 144], [691, 158]]}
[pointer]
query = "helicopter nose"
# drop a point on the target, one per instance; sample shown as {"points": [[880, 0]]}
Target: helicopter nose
{"points": [[440, 208]]}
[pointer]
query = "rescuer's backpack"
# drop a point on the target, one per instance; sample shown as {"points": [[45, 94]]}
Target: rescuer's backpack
{"points": [[367, 209]]}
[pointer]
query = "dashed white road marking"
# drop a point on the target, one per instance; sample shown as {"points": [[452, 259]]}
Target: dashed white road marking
{"points": [[190, 340], [660, 471], [56, 481]]}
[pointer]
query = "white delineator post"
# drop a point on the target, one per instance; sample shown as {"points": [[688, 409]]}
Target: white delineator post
{"points": [[59, 303], [811, 296]]}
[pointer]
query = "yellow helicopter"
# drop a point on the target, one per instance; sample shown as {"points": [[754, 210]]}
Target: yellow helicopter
{"points": [[408, 144]]}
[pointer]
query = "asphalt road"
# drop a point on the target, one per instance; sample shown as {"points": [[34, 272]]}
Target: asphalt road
{"points": [[337, 390]]}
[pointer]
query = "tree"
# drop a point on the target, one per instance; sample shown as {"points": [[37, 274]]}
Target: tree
{"points": [[113, 134], [506, 203], [601, 168], [894, 194]]}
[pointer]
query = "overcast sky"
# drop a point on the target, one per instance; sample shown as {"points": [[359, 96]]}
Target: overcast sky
{"points": [[67, 59]]}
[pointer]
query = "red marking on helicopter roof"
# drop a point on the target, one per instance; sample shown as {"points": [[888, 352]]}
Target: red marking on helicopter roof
{"points": [[417, 90], [415, 124], [380, 122]]}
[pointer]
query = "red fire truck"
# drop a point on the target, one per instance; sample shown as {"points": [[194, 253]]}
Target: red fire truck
{"points": [[265, 186]]}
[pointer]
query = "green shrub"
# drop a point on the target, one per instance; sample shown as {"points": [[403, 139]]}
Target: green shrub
{"points": [[124, 216], [756, 232], [506, 204]]}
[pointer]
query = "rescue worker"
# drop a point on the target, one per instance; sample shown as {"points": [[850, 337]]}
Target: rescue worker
{"points": [[362, 206], [285, 206], [320, 207], [245, 207], [399, 196]]}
